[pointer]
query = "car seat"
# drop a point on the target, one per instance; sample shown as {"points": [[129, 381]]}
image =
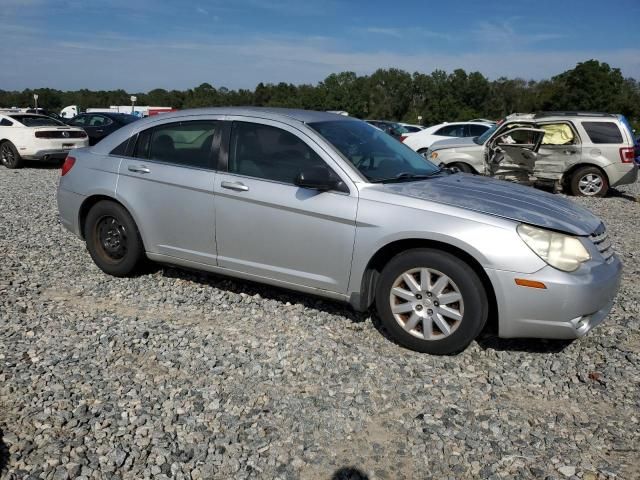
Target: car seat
{"points": [[162, 148]]}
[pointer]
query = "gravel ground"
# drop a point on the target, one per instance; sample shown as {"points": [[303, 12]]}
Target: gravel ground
{"points": [[176, 374]]}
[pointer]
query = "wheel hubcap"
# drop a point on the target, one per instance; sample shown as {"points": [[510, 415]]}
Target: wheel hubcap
{"points": [[590, 184], [112, 236], [426, 303]]}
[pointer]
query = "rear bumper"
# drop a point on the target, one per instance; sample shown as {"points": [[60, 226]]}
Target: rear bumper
{"points": [[69, 204], [44, 155], [622, 173], [570, 306]]}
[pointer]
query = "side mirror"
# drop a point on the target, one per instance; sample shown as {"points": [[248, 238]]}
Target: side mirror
{"points": [[320, 178]]}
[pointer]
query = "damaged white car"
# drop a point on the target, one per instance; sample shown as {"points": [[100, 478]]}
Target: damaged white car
{"points": [[577, 152]]}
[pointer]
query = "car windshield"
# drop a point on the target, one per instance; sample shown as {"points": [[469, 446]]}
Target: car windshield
{"points": [[486, 135], [37, 121], [378, 156], [125, 118]]}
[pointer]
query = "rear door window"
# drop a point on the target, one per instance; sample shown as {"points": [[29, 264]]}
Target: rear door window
{"points": [[603, 132], [188, 144], [98, 121], [451, 131], [477, 130], [79, 121]]}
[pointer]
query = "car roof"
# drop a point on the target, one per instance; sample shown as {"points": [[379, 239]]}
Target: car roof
{"points": [[305, 116], [552, 116], [289, 116]]}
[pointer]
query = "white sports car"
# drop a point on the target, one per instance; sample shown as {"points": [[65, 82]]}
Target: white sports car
{"points": [[421, 141], [26, 136]]}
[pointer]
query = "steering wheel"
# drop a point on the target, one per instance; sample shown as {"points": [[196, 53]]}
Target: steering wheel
{"points": [[365, 157]]}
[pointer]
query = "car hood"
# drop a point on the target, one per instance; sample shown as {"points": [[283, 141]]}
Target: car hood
{"points": [[454, 143], [503, 199]]}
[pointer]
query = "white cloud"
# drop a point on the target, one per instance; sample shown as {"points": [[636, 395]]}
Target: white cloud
{"points": [[392, 32], [114, 60]]}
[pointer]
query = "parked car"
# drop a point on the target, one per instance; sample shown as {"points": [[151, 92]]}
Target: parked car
{"points": [[421, 141], [329, 205], [582, 153], [25, 136], [394, 129], [411, 128], [99, 125]]}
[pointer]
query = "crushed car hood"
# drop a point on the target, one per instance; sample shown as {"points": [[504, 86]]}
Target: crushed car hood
{"points": [[503, 199], [454, 143]]}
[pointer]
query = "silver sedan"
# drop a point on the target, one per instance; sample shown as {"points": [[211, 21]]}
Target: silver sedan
{"points": [[331, 206]]}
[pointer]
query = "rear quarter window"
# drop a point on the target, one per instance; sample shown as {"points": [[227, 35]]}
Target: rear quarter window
{"points": [[603, 132]]}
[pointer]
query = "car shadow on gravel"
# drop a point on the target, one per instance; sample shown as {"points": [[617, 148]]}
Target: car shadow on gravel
{"points": [[4, 453], [35, 165], [530, 345], [349, 473], [237, 286], [613, 193], [247, 287]]}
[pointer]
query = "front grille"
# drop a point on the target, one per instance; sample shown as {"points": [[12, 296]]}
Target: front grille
{"points": [[600, 239], [60, 134]]}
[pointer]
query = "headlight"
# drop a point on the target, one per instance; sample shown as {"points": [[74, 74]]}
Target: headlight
{"points": [[563, 252]]}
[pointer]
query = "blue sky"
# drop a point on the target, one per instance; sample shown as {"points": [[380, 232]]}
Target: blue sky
{"points": [[138, 45]]}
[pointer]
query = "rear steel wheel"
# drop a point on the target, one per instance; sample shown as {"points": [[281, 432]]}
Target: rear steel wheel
{"points": [[112, 239]]}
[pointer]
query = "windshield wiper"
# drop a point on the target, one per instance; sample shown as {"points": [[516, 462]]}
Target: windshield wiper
{"points": [[405, 176]]}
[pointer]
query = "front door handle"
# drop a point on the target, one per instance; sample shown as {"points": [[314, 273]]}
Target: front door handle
{"points": [[569, 152], [237, 186], [139, 169]]}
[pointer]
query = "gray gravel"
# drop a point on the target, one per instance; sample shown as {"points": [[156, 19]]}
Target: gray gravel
{"points": [[183, 375]]}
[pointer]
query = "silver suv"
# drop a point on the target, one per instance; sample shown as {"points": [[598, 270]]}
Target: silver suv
{"points": [[332, 206], [582, 153]]}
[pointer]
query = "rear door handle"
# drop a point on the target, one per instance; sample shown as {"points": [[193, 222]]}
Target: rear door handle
{"points": [[237, 186], [139, 169]]}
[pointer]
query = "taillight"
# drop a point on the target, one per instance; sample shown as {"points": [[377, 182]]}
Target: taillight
{"points": [[44, 135], [68, 164], [403, 138], [627, 154]]}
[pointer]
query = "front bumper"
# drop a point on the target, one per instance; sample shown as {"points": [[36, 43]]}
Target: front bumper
{"points": [[570, 306]]}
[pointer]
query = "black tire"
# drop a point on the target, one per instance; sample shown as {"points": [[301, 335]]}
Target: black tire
{"points": [[9, 156], [113, 239], [474, 306], [585, 174], [463, 167]]}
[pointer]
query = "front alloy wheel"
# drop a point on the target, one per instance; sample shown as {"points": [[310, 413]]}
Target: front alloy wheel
{"points": [[431, 301], [426, 303]]}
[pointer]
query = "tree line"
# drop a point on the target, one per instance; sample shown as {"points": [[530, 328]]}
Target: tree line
{"points": [[391, 94]]}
